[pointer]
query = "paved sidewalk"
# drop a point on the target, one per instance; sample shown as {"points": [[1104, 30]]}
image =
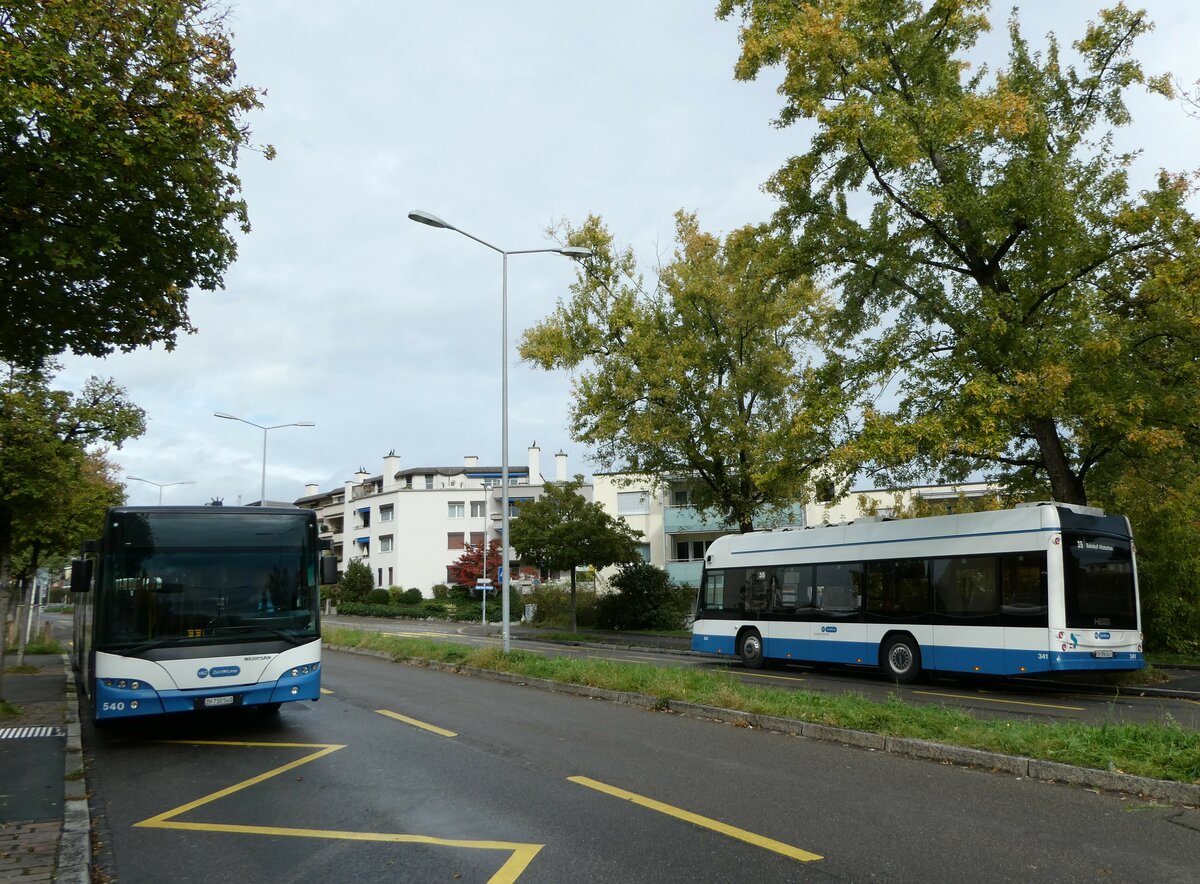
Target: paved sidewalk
{"points": [[44, 820]]}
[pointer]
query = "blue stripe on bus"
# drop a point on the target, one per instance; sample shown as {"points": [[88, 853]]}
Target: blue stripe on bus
{"points": [[745, 552], [985, 661]]}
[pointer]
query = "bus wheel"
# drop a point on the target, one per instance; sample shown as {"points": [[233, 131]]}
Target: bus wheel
{"points": [[270, 708], [751, 650], [901, 659]]}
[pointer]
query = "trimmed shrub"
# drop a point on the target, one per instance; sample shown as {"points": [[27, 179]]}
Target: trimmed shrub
{"points": [[378, 597], [645, 599], [553, 602], [441, 591], [411, 597]]}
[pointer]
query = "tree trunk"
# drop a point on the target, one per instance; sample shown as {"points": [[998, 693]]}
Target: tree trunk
{"points": [[1064, 484], [23, 630], [5, 577]]}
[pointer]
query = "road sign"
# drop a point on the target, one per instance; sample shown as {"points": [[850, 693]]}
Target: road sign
{"points": [[500, 573], [483, 581]]}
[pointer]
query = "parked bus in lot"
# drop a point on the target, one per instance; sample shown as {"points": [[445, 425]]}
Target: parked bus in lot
{"points": [[1038, 588], [189, 608]]}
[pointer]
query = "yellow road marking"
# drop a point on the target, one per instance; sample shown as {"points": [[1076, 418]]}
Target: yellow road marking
{"points": [[433, 728], [521, 854], [702, 821], [997, 700], [782, 677]]}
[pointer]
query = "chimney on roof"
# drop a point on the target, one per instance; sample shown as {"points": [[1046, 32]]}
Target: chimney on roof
{"points": [[560, 467], [391, 466], [470, 461], [535, 464], [311, 488]]}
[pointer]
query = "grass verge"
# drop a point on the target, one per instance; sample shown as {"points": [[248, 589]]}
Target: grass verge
{"points": [[8, 710], [1164, 751], [51, 647]]}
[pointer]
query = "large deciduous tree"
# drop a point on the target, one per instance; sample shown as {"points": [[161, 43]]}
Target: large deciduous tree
{"points": [[1035, 317], [120, 125], [705, 376], [562, 530]]}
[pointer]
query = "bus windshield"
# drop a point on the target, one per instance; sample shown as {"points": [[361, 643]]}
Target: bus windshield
{"points": [[182, 579], [1098, 582]]}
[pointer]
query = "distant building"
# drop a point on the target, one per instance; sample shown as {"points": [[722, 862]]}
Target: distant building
{"points": [[410, 525]]}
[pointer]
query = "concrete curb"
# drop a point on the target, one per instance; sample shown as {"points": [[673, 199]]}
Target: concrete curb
{"points": [[75, 844], [1047, 771]]}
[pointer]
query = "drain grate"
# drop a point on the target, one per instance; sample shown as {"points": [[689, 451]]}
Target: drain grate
{"points": [[21, 733]]}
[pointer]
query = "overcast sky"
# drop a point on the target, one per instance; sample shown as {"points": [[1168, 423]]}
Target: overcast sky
{"points": [[503, 118]]}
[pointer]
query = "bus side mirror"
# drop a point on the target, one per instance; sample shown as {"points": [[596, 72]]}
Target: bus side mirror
{"points": [[328, 570], [81, 575]]}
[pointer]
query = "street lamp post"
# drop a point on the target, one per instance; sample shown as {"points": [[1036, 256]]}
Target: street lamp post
{"points": [[161, 485], [262, 500], [571, 252]]}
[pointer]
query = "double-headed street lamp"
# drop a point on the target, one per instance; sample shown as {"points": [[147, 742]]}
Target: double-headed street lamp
{"points": [[570, 252], [229, 417], [161, 485]]}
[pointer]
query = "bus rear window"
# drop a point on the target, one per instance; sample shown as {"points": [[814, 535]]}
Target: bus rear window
{"points": [[1098, 580]]}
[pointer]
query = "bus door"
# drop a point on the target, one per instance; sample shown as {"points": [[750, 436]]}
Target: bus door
{"points": [[837, 633], [789, 599]]}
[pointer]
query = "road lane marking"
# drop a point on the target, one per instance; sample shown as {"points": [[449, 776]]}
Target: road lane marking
{"points": [[695, 819], [780, 677], [323, 749], [432, 728], [326, 691], [998, 700], [521, 854]]}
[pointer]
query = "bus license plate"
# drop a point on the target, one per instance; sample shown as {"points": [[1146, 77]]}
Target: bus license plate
{"points": [[1102, 653], [209, 702]]}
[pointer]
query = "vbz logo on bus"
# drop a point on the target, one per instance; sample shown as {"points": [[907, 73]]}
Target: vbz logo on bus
{"points": [[828, 629]]}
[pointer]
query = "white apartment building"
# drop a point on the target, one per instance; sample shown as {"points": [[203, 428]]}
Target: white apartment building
{"points": [[409, 525]]}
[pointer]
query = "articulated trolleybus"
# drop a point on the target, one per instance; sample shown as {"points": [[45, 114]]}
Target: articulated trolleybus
{"points": [[1040, 588], [191, 608]]}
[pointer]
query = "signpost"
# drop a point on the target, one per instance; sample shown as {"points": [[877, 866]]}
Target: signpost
{"points": [[484, 583]]}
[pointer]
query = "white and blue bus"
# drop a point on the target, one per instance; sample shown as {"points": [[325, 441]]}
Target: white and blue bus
{"points": [[191, 608], [1038, 588]]}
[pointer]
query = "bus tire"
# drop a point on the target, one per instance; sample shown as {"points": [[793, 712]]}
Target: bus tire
{"points": [[750, 649], [270, 708], [900, 658]]}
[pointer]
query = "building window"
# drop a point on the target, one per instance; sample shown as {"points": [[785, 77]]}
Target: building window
{"points": [[408, 481], [633, 503], [390, 581], [681, 497], [364, 517], [476, 538], [478, 509], [456, 509], [454, 540], [644, 549], [380, 581], [428, 481], [387, 512], [514, 505], [691, 551], [385, 543]]}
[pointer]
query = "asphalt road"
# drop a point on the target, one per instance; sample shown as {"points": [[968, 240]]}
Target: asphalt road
{"points": [[406, 774], [985, 697]]}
